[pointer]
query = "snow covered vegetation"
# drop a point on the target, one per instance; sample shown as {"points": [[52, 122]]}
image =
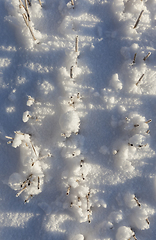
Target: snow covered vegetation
{"points": [[77, 124]]}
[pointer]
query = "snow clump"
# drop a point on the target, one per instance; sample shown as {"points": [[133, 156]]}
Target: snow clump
{"points": [[69, 122]]}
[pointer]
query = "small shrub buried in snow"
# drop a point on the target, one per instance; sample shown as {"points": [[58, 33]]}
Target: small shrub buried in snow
{"points": [[31, 179]]}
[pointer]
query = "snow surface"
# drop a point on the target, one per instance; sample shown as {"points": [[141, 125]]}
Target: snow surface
{"points": [[78, 119]]}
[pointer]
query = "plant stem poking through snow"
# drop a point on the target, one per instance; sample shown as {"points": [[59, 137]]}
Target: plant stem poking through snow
{"points": [[38, 183], [68, 190], [140, 79], [148, 121], [147, 56], [19, 193], [138, 20], [21, 5], [76, 44], [26, 8], [81, 163], [72, 3], [134, 58], [137, 201], [11, 141], [147, 220], [30, 196], [71, 72], [29, 2], [26, 22], [134, 236], [40, 2]]}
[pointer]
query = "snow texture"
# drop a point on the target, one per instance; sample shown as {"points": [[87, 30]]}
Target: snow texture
{"points": [[77, 125]]}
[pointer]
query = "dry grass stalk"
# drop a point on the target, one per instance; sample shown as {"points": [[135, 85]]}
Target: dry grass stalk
{"points": [[38, 183], [30, 196], [71, 72], [138, 20], [137, 201], [76, 44], [68, 190], [26, 8], [134, 58], [140, 79], [72, 2], [148, 121], [147, 56], [89, 219], [40, 2], [29, 2], [26, 22], [19, 193], [21, 5]]}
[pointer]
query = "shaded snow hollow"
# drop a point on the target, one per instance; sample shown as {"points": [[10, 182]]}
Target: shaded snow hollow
{"points": [[77, 125]]}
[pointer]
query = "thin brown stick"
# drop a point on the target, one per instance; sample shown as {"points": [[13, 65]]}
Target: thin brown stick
{"points": [[71, 72], [89, 218], [147, 56], [23, 189], [147, 220], [30, 196], [40, 2], [26, 22], [29, 2], [21, 5], [137, 201], [140, 79], [134, 58], [38, 183], [72, 2], [148, 121], [138, 20], [26, 8], [68, 190], [76, 44]]}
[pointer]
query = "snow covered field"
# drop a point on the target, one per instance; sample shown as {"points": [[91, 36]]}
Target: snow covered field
{"points": [[78, 119]]}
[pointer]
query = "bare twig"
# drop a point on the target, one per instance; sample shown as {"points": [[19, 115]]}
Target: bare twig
{"points": [[29, 2], [30, 196], [72, 3], [138, 20], [26, 8], [140, 79], [137, 201], [23, 189], [21, 5], [147, 56], [71, 72], [68, 190], [81, 163], [38, 183], [89, 219], [26, 22], [134, 58], [76, 44], [40, 2], [148, 121]]}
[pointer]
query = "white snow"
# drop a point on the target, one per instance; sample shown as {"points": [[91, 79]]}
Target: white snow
{"points": [[78, 119]]}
